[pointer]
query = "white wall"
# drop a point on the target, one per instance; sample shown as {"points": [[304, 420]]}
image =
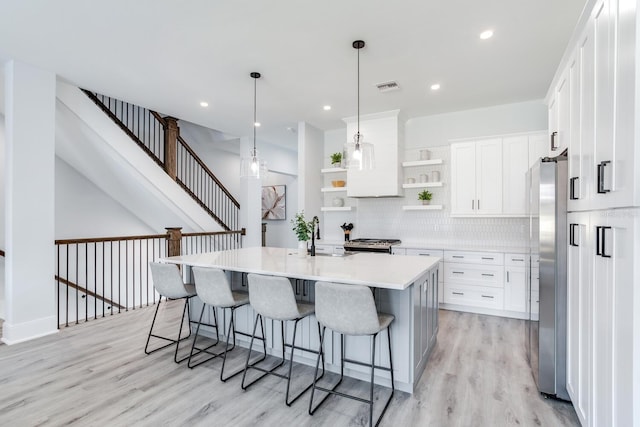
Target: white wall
{"points": [[384, 217], [83, 210], [432, 131]]}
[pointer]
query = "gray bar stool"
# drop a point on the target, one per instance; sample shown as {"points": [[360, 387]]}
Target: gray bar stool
{"points": [[351, 310], [272, 297], [214, 290], [168, 283]]}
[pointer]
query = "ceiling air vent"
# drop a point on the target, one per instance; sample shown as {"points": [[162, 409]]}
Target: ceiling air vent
{"points": [[387, 86]]}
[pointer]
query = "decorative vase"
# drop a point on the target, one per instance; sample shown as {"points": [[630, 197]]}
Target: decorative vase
{"points": [[426, 202], [302, 248], [337, 202], [336, 165]]}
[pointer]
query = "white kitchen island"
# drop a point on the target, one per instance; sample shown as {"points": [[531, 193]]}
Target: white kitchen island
{"points": [[406, 287]]}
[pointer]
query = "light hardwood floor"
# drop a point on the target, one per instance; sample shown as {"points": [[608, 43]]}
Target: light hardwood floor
{"points": [[97, 374]]}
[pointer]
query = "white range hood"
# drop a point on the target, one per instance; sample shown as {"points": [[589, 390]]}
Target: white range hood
{"points": [[385, 131]]}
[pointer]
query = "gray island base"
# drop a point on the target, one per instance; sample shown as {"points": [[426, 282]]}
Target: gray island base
{"points": [[406, 287]]}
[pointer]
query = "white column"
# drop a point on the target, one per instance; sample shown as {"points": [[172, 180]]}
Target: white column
{"points": [[250, 202], [30, 300]]}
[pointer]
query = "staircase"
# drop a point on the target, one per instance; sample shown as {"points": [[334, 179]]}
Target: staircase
{"points": [[159, 137]]}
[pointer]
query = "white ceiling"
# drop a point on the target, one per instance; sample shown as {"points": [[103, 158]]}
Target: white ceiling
{"points": [[169, 55]]}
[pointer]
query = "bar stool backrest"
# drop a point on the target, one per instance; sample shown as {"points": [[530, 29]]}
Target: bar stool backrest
{"points": [[272, 297], [346, 309], [168, 281], [213, 287]]}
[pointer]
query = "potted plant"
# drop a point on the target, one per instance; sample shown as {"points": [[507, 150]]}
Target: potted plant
{"points": [[425, 196], [336, 159], [303, 230]]}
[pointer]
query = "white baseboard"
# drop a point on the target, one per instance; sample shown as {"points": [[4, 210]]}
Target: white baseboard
{"points": [[21, 332]]}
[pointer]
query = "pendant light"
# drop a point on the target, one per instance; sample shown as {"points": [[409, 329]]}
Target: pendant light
{"points": [[251, 166], [359, 153]]}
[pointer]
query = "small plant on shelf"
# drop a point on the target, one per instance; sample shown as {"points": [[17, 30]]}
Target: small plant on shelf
{"points": [[425, 196], [336, 159]]}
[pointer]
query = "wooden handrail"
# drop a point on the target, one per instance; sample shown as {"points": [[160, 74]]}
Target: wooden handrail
{"points": [[122, 126], [88, 292], [207, 170], [159, 118], [144, 237]]}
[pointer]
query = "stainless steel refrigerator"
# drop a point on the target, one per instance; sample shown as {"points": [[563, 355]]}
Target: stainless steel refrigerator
{"points": [[546, 330]]}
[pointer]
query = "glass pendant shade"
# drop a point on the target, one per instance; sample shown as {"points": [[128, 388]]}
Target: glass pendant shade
{"points": [[250, 166], [359, 154]]}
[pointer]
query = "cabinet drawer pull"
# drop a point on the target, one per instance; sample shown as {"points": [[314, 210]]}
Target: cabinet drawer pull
{"points": [[554, 136], [457, 293], [507, 276], [601, 167], [487, 296], [572, 188], [458, 272], [457, 256], [424, 254], [488, 258], [517, 259], [488, 274]]}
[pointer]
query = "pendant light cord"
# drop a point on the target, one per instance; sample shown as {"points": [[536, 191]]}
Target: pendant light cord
{"points": [[358, 140], [255, 91]]}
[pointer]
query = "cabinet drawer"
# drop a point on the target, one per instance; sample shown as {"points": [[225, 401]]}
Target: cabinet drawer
{"points": [[398, 251], [476, 296], [535, 260], [515, 260], [535, 302], [535, 279], [475, 275], [338, 250], [489, 258], [426, 252]]}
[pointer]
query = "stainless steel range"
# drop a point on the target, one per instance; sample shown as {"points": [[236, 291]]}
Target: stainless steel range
{"points": [[370, 245]]}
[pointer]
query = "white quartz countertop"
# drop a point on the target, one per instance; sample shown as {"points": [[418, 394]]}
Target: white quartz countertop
{"points": [[450, 246], [363, 268]]}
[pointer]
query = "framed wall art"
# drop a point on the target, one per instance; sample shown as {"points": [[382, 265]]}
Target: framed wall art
{"points": [[274, 202]]}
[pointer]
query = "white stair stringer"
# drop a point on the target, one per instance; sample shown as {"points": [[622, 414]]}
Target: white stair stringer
{"points": [[95, 146]]}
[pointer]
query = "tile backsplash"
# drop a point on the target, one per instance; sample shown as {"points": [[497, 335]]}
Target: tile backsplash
{"points": [[385, 218]]}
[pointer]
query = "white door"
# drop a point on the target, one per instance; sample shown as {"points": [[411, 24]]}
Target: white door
{"points": [[489, 176], [563, 93], [538, 147], [463, 177], [515, 163], [553, 126]]}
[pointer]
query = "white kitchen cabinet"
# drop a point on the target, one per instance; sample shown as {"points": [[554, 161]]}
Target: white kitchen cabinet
{"points": [[579, 314], [463, 178], [473, 280], [436, 253], [515, 295], [515, 164], [476, 177], [538, 147]]}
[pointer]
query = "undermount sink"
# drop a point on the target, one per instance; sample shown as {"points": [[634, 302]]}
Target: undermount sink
{"points": [[335, 255]]}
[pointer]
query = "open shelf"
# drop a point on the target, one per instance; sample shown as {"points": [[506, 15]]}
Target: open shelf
{"points": [[422, 163], [422, 185], [333, 189], [332, 170], [422, 208], [336, 209]]}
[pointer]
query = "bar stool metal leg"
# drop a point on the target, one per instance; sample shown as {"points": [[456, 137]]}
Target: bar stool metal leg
{"points": [[172, 341]]}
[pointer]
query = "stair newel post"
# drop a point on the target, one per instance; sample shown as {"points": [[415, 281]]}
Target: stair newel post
{"points": [[174, 240], [171, 133]]}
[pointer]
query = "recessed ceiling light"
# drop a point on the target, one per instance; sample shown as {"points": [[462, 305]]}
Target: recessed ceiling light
{"points": [[486, 34], [204, 104], [326, 107], [435, 86], [257, 124]]}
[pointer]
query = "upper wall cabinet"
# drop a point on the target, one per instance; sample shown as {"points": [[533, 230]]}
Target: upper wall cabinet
{"points": [[488, 175], [476, 177], [384, 131]]}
